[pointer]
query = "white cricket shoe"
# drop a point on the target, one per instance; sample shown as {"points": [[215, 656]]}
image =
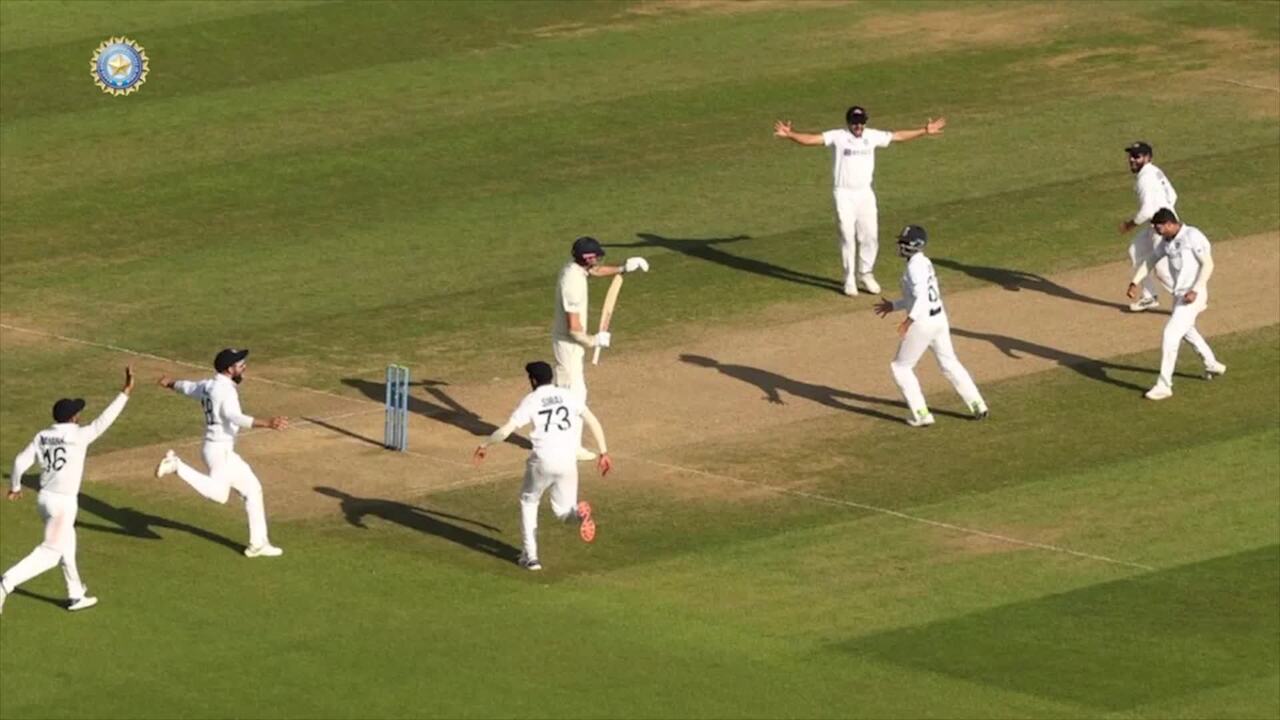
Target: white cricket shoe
{"points": [[851, 290], [82, 603], [869, 283], [1214, 370], [529, 563], [979, 410], [922, 419], [1144, 304], [168, 465], [1159, 392], [264, 550], [3, 595]]}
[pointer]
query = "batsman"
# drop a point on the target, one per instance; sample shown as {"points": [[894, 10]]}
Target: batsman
{"points": [[569, 338]]}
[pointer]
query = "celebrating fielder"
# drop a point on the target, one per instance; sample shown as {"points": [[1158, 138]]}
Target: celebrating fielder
{"points": [[926, 327], [557, 416], [854, 150], [60, 449], [569, 338], [1154, 192], [1191, 265], [228, 471]]}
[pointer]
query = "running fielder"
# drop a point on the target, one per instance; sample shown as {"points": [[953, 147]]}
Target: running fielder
{"points": [[60, 449], [223, 419], [854, 150], [1154, 192], [1191, 264], [926, 327], [569, 338], [557, 416]]}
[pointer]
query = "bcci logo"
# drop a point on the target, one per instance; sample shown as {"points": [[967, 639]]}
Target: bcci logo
{"points": [[119, 66]]}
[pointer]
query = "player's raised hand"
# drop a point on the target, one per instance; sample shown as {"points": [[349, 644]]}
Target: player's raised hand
{"points": [[782, 129], [477, 457], [934, 127], [128, 380], [884, 307], [604, 464]]}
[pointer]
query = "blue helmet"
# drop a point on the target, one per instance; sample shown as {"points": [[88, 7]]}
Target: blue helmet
{"points": [[912, 240], [584, 246]]}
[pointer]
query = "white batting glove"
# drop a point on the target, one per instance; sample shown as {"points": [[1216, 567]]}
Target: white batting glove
{"points": [[636, 263], [603, 338]]}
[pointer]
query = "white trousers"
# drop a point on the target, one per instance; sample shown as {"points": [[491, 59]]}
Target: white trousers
{"points": [[1144, 243], [1182, 326], [59, 514], [539, 476], [570, 357], [228, 471], [932, 332], [857, 219]]}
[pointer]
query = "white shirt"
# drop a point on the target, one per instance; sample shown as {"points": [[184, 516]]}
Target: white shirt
{"points": [[1187, 252], [60, 450], [920, 294], [556, 416], [1154, 192], [855, 157], [220, 400], [571, 297]]}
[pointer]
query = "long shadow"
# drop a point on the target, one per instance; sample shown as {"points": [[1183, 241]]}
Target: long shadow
{"points": [[445, 410], [708, 249], [133, 523], [773, 385], [1091, 368], [1018, 280], [355, 509]]}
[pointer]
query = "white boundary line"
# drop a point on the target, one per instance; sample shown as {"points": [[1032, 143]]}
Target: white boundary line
{"points": [[900, 515], [137, 353]]}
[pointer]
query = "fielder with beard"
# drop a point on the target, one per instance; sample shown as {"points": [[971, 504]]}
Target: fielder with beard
{"points": [[223, 418]]}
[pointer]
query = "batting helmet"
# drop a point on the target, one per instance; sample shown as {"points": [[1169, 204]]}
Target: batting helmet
{"points": [[584, 246], [911, 240]]}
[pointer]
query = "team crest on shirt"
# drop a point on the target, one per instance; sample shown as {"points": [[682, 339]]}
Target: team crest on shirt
{"points": [[119, 66], [848, 152]]}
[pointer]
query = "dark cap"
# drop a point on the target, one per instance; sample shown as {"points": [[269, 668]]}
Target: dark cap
{"points": [[856, 115], [539, 372], [228, 357], [586, 245], [67, 408], [1164, 215], [1138, 148]]}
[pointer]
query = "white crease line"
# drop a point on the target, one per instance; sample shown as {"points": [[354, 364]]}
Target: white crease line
{"points": [[901, 515], [1248, 85], [136, 353]]}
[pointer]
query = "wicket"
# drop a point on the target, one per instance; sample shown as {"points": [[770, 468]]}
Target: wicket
{"points": [[396, 429]]}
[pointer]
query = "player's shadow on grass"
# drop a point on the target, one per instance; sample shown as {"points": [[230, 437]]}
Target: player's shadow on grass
{"points": [[709, 249], [1018, 280], [1089, 367], [431, 522], [773, 385], [133, 523], [445, 409]]}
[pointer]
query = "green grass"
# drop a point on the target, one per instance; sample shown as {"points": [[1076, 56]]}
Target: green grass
{"points": [[783, 606], [338, 185]]}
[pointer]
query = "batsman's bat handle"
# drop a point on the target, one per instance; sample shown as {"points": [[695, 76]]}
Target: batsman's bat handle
{"points": [[595, 357]]}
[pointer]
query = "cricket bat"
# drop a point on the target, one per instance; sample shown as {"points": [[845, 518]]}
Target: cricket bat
{"points": [[606, 312]]}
